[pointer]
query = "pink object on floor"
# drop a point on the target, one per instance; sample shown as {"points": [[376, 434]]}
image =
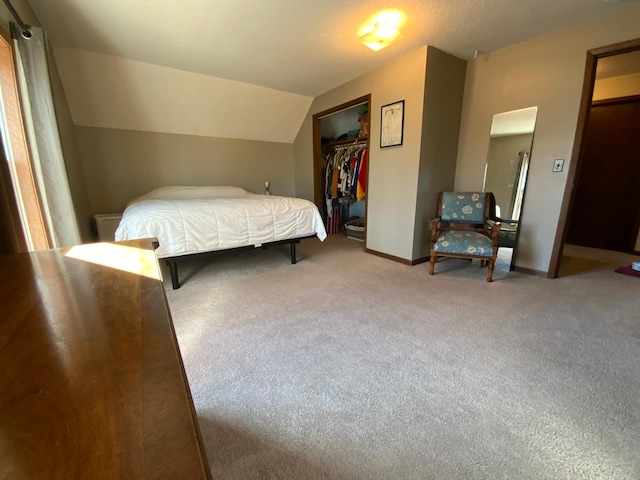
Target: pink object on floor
{"points": [[628, 271]]}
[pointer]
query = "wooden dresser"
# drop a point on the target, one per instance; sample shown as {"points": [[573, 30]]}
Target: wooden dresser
{"points": [[92, 384]]}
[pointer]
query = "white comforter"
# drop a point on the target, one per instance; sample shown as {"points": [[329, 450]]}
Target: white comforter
{"points": [[202, 219]]}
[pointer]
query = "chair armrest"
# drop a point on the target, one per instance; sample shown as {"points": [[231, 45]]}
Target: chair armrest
{"points": [[494, 230], [434, 225], [506, 220]]}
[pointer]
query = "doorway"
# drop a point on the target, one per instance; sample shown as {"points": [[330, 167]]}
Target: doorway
{"points": [[580, 147], [340, 158], [612, 144]]}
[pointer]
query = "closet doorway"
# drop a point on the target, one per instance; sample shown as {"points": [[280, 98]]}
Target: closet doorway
{"points": [[340, 166]]}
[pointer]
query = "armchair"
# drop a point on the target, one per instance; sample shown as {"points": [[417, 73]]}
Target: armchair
{"points": [[463, 228]]}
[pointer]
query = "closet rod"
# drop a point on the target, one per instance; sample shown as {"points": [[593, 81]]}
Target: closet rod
{"points": [[349, 145], [26, 33]]}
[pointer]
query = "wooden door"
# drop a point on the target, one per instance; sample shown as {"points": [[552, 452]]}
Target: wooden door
{"points": [[607, 198]]}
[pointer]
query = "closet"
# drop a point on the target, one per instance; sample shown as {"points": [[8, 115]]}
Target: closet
{"points": [[341, 158]]}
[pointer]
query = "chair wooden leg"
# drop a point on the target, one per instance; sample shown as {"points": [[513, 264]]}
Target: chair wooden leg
{"points": [[490, 271], [432, 264]]}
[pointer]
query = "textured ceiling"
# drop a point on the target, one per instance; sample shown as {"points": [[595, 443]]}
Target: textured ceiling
{"points": [[300, 46]]}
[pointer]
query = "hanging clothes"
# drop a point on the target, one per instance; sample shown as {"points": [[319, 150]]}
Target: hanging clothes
{"points": [[343, 169], [345, 181], [361, 190]]}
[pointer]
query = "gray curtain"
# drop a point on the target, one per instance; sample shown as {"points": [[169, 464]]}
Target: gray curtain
{"points": [[43, 136]]}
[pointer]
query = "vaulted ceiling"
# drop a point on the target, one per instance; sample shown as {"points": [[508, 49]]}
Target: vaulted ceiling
{"points": [[298, 46]]}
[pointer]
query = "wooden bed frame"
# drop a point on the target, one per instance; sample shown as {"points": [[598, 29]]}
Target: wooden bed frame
{"points": [[172, 262]]}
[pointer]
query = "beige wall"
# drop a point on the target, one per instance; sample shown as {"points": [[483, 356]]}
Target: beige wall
{"points": [[122, 164], [65, 126], [113, 92], [71, 154], [444, 87], [614, 87], [547, 72], [393, 171]]}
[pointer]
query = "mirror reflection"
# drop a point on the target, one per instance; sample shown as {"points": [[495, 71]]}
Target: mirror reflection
{"points": [[507, 166]]}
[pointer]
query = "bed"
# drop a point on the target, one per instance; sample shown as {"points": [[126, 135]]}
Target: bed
{"points": [[191, 221]]}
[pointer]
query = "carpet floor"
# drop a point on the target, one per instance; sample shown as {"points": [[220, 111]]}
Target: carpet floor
{"points": [[351, 366]]}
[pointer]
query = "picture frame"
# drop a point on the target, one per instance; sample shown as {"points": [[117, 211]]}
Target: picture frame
{"points": [[392, 124]]}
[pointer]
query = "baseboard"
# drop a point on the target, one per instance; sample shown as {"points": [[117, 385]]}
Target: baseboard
{"points": [[388, 257], [418, 261], [531, 271]]}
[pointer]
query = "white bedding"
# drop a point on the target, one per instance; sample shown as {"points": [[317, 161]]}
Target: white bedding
{"points": [[202, 219]]}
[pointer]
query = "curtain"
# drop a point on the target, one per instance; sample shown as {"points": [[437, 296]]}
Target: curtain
{"points": [[43, 137]]}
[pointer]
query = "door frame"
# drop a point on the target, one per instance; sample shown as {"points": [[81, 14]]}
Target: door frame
{"points": [[578, 145], [318, 174]]}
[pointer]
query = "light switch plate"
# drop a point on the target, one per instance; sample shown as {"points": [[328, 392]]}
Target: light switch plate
{"points": [[558, 164]]}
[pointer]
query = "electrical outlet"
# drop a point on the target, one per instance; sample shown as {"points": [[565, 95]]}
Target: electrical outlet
{"points": [[558, 164]]}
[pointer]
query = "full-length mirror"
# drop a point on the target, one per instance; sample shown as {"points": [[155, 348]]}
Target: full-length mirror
{"points": [[507, 166]]}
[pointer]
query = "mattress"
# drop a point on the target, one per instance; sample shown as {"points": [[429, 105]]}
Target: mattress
{"points": [[188, 220]]}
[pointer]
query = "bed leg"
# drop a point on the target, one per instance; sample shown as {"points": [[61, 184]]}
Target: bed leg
{"points": [[173, 269], [293, 253]]}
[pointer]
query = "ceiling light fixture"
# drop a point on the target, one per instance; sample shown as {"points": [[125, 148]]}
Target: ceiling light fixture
{"points": [[381, 30]]}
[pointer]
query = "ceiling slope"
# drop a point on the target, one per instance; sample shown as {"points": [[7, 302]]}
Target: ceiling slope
{"points": [[302, 47]]}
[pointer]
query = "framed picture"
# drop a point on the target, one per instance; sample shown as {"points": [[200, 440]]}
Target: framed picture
{"points": [[392, 124]]}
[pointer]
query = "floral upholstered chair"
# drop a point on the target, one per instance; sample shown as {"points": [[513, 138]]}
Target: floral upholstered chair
{"points": [[463, 228]]}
